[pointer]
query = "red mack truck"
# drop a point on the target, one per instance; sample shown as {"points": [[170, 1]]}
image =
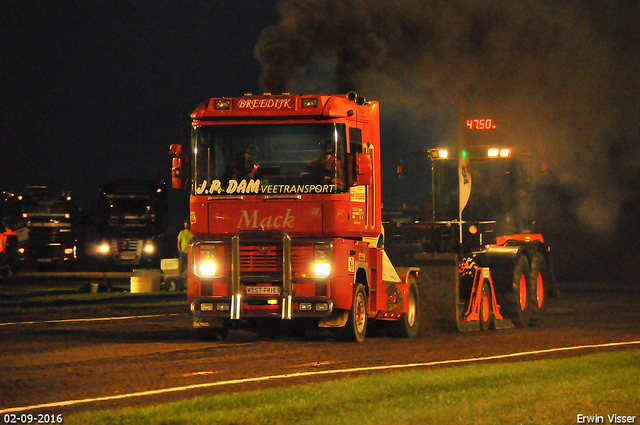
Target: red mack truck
{"points": [[285, 209]]}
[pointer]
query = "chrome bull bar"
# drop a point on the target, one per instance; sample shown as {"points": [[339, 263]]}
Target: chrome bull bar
{"points": [[236, 278]]}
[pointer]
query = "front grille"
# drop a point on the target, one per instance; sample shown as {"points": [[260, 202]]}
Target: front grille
{"points": [[126, 245], [269, 258]]}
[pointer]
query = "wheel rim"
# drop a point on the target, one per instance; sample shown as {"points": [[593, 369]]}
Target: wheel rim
{"points": [[360, 313], [485, 306], [523, 292], [411, 314], [540, 289]]}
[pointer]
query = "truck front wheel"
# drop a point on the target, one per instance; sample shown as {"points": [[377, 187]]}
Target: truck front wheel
{"points": [[356, 327]]}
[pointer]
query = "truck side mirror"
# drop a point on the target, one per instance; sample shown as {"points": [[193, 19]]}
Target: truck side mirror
{"points": [[178, 180], [365, 171]]}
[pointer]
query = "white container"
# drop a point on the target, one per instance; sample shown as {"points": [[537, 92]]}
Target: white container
{"points": [[145, 284], [170, 267]]}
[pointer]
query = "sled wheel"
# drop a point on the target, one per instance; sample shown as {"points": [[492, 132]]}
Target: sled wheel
{"points": [[356, 327], [485, 307], [538, 297], [515, 302], [408, 325]]}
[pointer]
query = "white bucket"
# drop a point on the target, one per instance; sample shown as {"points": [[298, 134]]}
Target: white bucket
{"points": [[145, 284]]}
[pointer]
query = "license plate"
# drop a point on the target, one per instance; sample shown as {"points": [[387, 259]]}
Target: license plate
{"points": [[128, 255], [263, 290]]}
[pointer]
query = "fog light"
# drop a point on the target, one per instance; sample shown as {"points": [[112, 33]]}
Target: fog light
{"points": [[206, 307], [322, 306], [222, 306], [304, 306]]}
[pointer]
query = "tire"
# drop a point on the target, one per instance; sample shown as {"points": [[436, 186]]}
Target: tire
{"points": [[515, 301], [539, 288], [409, 324], [170, 285], [485, 308], [356, 327]]}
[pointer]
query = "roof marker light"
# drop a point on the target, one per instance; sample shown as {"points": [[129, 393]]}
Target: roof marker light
{"points": [[310, 103], [222, 104]]}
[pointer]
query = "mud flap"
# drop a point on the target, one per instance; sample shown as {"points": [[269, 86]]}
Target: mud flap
{"points": [[439, 280]]}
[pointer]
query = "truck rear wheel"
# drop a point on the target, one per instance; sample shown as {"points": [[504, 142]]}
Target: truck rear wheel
{"points": [[356, 327], [409, 324], [515, 301], [539, 277]]}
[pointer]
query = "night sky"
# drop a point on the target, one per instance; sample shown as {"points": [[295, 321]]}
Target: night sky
{"points": [[93, 90]]}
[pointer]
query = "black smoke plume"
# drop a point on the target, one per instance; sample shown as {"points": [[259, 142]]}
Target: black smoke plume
{"points": [[559, 76]]}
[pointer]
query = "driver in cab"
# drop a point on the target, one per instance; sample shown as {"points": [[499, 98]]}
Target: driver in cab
{"points": [[326, 168]]}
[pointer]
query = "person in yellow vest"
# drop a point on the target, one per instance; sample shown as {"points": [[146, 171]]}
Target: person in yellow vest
{"points": [[184, 239]]}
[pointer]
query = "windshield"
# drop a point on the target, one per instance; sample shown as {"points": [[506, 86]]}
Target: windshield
{"points": [[269, 159], [129, 206], [46, 208], [500, 191]]}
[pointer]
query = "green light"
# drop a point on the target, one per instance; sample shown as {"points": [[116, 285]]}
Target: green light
{"points": [[464, 154]]}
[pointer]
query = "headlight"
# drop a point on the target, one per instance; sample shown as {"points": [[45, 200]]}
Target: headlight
{"points": [[207, 269], [104, 248], [206, 261], [68, 251], [322, 269], [149, 248], [322, 263]]}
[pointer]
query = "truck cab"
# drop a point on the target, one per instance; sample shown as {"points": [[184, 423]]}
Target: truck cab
{"points": [[285, 211], [51, 223], [130, 221]]}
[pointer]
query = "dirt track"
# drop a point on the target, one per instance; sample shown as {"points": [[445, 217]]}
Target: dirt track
{"points": [[73, 360]]}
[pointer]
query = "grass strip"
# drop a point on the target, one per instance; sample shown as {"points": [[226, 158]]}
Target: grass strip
{"points": [[60, 300], [526, 392]]}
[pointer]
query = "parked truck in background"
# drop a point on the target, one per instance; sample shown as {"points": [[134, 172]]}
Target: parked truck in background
{"points": [[129, 223], [50, 221], [285, 208]]}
